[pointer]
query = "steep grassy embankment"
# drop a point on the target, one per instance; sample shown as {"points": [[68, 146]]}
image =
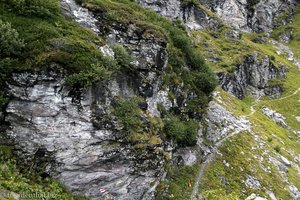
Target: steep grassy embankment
{"points": [[252, 153]]}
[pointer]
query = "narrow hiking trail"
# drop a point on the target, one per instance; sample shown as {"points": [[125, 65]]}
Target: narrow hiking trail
{"points": [[206, 162], [252, 109], [211, 156]]}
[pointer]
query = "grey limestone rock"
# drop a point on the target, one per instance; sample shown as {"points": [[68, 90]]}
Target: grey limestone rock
{"points": [[193, 16], [58, 135], [241, 15], [219, 122], [276, 117], [253, 74], [252, 182]]}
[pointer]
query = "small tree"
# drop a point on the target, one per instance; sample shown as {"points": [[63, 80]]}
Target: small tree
{"points": [[10, 43]]}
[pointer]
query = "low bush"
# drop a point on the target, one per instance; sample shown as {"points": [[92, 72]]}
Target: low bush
{"points": [[128, 112], [182, 132], [10, 43], [277, 148], [124, 60], [96, 72]]}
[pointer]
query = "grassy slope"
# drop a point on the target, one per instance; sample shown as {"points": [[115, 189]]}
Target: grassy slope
{"points": [[232, 51], [243, 152]]}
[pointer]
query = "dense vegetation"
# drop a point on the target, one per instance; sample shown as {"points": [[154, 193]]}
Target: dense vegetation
{"points": [[182, 132]]}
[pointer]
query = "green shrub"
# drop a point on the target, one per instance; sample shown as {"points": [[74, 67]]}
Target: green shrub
{"points": [[182, 132], [277, 148], [128, 112], [40, 8], [124, 60], [205, 82], [96, 72], [198, 104], [10, 43], [5, 68]]}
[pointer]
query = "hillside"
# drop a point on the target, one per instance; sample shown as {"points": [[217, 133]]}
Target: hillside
{"points": [[172, 99]]}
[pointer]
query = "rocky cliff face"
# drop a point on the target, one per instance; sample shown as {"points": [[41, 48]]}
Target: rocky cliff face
{"points": [[194, 17], [256, 16], [62, 138], [255, 75], [72, 135], [242, 15]]}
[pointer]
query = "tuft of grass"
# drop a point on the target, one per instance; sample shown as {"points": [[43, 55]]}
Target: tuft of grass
{"points": [[277, 148], [179, 183]]}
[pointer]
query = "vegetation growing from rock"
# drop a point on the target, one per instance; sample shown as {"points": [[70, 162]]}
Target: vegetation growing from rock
{"points": [[35, 37], [61, 44], [183, 132], [14, 181], [180, 47], [142, 129]]}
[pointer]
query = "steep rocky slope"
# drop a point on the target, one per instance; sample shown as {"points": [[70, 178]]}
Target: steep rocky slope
{"points": [[114, 101]]}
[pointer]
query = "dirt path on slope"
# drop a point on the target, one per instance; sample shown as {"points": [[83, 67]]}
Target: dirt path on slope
{"points": [[209, 158], [258, 102]]}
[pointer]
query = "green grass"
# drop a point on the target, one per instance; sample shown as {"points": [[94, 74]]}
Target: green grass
{"points": [[226, 181], [228, 53], [278, 141], [236, 106], [179, 183], [12, 180]]}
